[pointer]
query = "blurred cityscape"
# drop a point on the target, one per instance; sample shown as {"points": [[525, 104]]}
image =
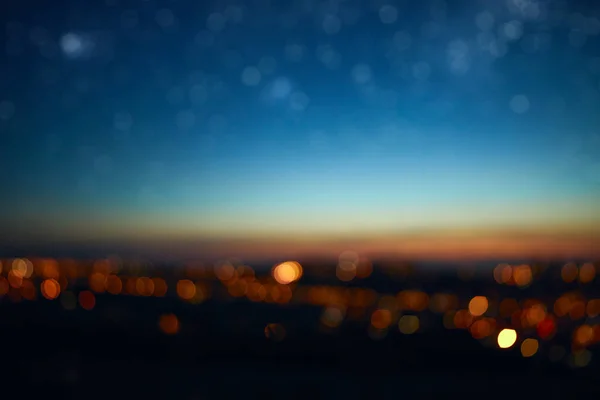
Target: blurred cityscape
{"points": [[413, 316]]}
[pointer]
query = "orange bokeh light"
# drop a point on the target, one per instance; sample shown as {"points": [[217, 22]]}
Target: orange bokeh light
{"points": [[97, 282], [287, 272], [381, 319], [160, 287], [478, 306], [169, 324], [50, 289], [186, 289], [114, 285], [87, 300]]}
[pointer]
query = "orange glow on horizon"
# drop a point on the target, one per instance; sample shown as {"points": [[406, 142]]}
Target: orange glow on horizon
{"points": [[434, 245], [576, 241]]}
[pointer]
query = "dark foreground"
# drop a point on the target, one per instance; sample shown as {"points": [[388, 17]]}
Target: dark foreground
{"points": [[96, 331], [80, 355]]}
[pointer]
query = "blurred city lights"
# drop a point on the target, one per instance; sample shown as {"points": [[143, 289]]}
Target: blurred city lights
{"points": [[529, 347], [507, 338], [75, 283], [169, 324], [287, 272], [478, 306]]}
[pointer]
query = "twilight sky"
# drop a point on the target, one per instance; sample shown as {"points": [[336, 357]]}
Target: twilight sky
{"points": [[384, 123]]}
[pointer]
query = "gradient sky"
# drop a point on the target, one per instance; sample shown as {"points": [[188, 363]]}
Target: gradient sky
{"points": [[177, 120]]}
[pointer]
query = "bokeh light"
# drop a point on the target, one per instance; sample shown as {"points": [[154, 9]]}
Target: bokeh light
{"points": [[408, 324], [169, 324], [50, 289], [529, 347], [507, 338], [87, 300], [275, 332], [186, 289], [478, 306], [287, 272]]}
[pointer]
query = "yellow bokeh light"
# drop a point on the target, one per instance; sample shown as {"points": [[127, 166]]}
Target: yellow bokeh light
{"points": [[507, 338], [408, 324], [478, 306], [22, 268], [287, 272], [581, 358], [529, 347], [332, 317]]}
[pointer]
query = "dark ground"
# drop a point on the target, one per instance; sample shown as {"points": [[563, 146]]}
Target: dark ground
{"points": [[116, 351]]}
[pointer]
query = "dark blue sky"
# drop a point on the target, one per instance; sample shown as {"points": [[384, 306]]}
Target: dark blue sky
{"points": [[134, 118]]}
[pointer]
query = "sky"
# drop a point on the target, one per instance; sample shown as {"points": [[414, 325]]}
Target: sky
{"points": [[261, 127]]}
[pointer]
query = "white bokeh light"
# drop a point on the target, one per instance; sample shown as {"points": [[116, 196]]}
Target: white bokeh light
{"points": [[251, 76], [175, 95], [361, 73], [299, 101], [331, 24], [280, 88], [402, 40], [198, 94], [513, 30], [329, 56], [388, 14], [123, 121], [421, 70], [294, 52], [267, 65], [74, 45], [165, 18], [485, 21], [519, 104], [215, 22], [185, 119], [234, 14], [459, 57]]}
